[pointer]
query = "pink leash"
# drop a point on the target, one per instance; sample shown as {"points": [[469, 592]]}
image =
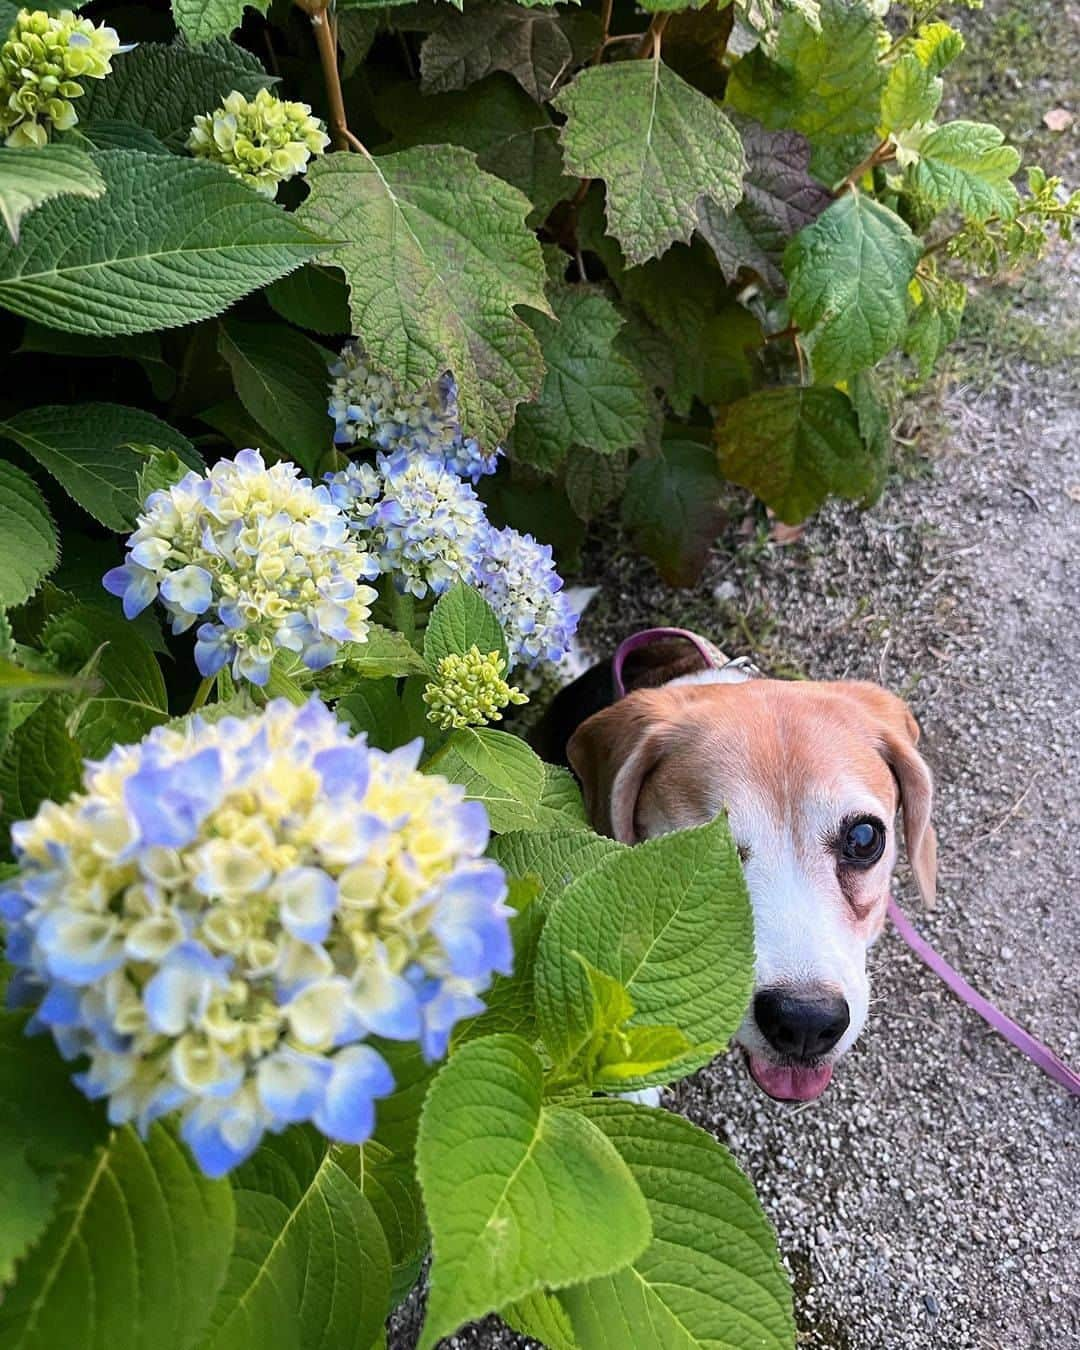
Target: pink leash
{"points": [[1015, 1034]]}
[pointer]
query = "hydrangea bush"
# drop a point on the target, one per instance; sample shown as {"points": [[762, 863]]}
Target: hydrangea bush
{"points": [[329, 331]]}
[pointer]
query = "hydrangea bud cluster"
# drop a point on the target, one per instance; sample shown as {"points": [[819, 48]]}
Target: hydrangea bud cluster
{"points": [[426, 525], [469, 690], [262, 141], [41, 65], [225, 913], [519, 581], [263, 557], [368, 406]]}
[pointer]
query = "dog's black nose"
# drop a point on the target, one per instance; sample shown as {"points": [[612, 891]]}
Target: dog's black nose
{"points": [[803, 1026]]}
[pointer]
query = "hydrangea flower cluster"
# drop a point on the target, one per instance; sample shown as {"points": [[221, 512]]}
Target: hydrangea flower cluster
{"points": [[469, 690], [262, 141], [426, 525], [519, 581], [41, 63], [369, 406], [266, 559], [226, 913]]}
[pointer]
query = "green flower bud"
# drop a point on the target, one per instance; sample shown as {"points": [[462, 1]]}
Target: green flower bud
{"points": [[41, 63], [262, 141], [469, 691]]}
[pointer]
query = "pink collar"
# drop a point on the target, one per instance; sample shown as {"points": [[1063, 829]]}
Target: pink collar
{"points": [[1015, 1034]]}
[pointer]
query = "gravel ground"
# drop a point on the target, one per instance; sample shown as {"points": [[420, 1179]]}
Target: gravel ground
{"points": [[929, 1199]]}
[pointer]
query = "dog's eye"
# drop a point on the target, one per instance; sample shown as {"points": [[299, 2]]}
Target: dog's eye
{"points": [[863, 841]]}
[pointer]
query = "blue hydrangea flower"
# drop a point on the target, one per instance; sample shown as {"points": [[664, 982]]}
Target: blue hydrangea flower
{"points": [[426, 526], [225, 913], [368, 406], [517, 577], [265, 559]]}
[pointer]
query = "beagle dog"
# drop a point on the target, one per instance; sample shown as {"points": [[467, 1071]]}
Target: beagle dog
{"points": [[812, 776]]}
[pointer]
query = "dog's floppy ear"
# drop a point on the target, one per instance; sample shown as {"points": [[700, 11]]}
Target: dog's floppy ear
{"points": [[898, 733], [612, 753]]}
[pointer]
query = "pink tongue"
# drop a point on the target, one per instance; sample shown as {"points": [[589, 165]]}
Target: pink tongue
{"points": [[790, 1083]]}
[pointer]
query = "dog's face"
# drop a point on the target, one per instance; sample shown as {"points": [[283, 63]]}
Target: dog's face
{"points": [[811, 776]]}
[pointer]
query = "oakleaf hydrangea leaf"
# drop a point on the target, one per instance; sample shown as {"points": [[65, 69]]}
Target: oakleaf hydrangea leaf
{"points": [[29, 177], [437, 254], [712, 1275], [659, 145], [591, 395], [520, 1196], [792, 447], [825, 83], [779, 198], [672, 509], [200, 20], [173, 241], [848, 277], [967, 165]]}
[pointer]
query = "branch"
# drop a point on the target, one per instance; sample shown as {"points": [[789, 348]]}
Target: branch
{"points": [[650, 43], [883, 153], [606, 7], [326, 43]]}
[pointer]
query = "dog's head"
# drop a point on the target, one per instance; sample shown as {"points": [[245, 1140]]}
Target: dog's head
{"points": [[811, 776]]}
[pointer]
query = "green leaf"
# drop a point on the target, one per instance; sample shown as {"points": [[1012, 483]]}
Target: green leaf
{"points": [[542, 1318], [560, 802], [28, 545], [512, 136], [281, 378], [848, 277], [537, 47], [659, 145], [313, 297], [385, 652], [84, 563], [161, 469], [201, 20], [172, 242], [311, 1268], [437, 255], [645, 1054], [672, 509], [591, 395], [935, 321], [40, 762], [497, 769], [911, 94], [670, 920], [113, 133], [389, 1184], [826, 84], [85, 446], [44, 1122], [712, 1276], [519, 1196], [967, 165], [593, 481], [462, 619], [374, 707], [130, 695], [133, 1257], [779, 199], [162, 88], [794, 447], [556, 857], [17, 681], [29, 177], [937, 45]]}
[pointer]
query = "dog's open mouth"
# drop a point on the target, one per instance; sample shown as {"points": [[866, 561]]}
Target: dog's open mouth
{"points": [[789, 1082]]}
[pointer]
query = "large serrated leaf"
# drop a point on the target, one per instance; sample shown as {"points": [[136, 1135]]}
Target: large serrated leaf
{"points": [[519, 1196], [44, 1122], [670, 920], [592, 395], [40, 762], [173, 241], [967, 165], [659, 145], [281, 379], [672, 509], [848, 276], [129, 697], [389, 1184], [29, 549], [497, 769], [712, 1276], [312, 297], [825, 83], [134, 1254], [555, 857], [201, 20], [311, 1268], [593, 480], [85, 446], [911, 94], [162, 88], [794, 447], [462, 619], [437, 255], [29, 177]]}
